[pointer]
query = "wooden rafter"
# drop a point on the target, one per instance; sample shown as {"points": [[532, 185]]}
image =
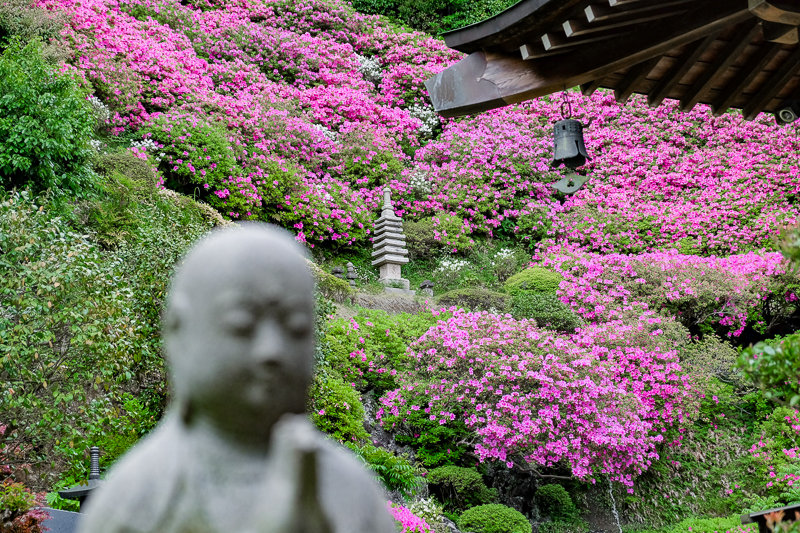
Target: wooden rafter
{"points": [[633, 77], [746, 76], [724, 60], [772, 85], [589, 88], [609, 15], [679, 69], [485, 79]]}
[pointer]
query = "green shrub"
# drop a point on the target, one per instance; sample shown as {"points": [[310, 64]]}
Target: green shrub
{"points": [[336, 409], [111, 216], [555, 502], [695, 524], [125, 163], [434, 444], [474, 299], [773, 366], [494, 518], [333, 288], [45, 124], [459, 488], [22, 19], [68, 325], [81, 326], [545, 308], [370, 348], [420, 241], [534, 279], [396, 472], [452, 232]]}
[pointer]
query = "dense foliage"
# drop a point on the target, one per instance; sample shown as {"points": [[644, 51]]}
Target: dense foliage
{"points": [[626, 299], [45, 123]]}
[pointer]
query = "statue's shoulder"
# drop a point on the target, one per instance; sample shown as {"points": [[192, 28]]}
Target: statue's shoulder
{"points": [[141, 487]]}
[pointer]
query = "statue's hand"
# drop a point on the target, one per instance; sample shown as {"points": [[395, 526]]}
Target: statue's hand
{"points": [[292, 502]]}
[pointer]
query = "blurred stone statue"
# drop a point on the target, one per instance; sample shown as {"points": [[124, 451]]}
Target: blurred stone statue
{"points": [[235, 451]]}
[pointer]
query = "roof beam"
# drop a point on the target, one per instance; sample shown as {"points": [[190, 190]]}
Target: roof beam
{"points": [[746, 75], [721, 63], [776, 11], [588, 89], [780, 33], [486, 80], [679, 70], [576, 28], [552, 41], [632, 79], [599, 13], [505, 28], [772, 86]]}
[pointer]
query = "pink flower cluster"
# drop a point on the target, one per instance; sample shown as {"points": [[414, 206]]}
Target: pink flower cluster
{"points": [[594, 401], [716, 290], [408, 521]]}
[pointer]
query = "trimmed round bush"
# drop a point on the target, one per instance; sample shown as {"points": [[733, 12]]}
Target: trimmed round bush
{"points": [[127, 164], [474, 299], [459, 487], [545, 308], [420, 239], [494, 518], [534, 279], [555, 502]]}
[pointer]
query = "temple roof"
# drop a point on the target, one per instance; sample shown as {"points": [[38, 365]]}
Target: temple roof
{"points": [[727, 53]]}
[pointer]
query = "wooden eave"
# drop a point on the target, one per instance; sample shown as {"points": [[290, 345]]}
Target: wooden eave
{"points": [[726, 53]]}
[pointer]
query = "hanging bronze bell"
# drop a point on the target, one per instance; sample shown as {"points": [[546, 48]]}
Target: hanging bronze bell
{"points": [[569, 147]]}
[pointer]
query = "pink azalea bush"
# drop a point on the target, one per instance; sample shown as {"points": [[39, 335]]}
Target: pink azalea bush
{"points": [[725, 291], [408, 521], [593, 402]]}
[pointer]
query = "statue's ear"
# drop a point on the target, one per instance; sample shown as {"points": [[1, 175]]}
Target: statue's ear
{"points": [[174, 313]]}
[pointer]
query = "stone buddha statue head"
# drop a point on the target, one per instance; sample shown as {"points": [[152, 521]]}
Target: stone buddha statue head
{"points": [[239, 331]]}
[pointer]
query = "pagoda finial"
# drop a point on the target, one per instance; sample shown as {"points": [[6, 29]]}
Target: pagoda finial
{"points": [[386, 209]]}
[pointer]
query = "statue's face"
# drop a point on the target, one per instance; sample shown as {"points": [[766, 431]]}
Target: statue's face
{"points": [[242, 350]]}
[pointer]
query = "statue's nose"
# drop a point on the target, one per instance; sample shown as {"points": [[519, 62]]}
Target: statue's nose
{"points": [[268, 345]]}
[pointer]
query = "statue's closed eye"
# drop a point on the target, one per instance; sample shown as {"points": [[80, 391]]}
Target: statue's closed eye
{"points": [[239, 322], [298, 323]]}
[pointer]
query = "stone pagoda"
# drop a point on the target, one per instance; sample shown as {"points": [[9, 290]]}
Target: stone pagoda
{"points": [[389, 246]]}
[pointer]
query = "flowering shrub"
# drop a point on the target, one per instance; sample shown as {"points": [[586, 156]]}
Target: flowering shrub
{"points": [[777, 453], [370, 348], [17, 514], [592, 402], [408, 522], [721, 291]]}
